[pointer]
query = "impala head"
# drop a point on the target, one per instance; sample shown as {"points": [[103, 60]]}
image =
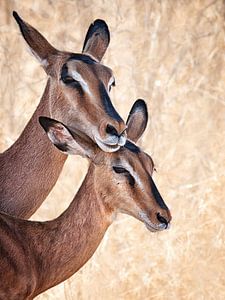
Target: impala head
{"points": [[79, 85], [123, 179]]}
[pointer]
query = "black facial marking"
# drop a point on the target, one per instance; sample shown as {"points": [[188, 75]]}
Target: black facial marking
{"points": [[69, 81], [131, 179], [157, 195], [132, 147], [110, 110], [82, 57], [121, 170]]}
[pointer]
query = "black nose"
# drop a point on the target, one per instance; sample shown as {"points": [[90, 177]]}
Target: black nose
{"points": [[162, 219], [111, 130]]}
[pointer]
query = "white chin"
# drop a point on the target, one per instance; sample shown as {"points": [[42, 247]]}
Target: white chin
{"points": [[105, 147], [150, 228]]}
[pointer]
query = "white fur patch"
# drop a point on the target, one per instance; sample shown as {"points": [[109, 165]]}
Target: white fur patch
{"points": [[133, 173], [43, 62], [81, 80]]}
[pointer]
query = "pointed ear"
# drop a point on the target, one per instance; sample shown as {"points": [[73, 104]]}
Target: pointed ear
{"points": [[69, 142], [137, 120], [96, 40], [39, 46]]}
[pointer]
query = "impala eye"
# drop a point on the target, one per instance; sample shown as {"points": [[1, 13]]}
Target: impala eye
{"points": [[69, 80], [121, 170]]}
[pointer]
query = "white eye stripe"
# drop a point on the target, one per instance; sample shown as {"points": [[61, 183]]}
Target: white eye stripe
{"points": [[133, 173], [76, 76]]}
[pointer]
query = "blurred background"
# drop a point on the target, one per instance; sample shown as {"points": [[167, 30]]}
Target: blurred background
{"points": [[172, 54]]}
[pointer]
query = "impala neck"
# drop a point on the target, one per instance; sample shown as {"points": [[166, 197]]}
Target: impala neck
{"points": [[73, 237], [30, 167]]}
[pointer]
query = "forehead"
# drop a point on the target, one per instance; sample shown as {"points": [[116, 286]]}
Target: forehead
{"points": [[133, 155], [82, 61]]}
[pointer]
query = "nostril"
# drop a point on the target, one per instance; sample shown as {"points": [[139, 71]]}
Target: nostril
{"points": [[162, 219], [111, 130]]}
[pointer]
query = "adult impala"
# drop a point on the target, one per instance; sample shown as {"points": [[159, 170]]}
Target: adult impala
{"points": [[38, 255], [77, 93]]}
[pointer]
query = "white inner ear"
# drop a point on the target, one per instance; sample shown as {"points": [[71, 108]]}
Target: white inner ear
{"points": [[43, 62], [76, 76], [72, 146]]}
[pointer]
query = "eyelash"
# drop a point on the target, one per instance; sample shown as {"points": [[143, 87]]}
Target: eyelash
{"points": [[121, 170]]}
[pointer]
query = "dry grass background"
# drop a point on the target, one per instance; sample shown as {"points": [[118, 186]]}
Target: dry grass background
{"points": [[172, 54]]}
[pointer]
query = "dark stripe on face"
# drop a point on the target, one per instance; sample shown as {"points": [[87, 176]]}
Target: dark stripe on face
{"points": [[132, 147], [109, 109], [157, 195], [82, 57], [70, 81]]}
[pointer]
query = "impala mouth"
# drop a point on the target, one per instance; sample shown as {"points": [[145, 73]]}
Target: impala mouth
{"points": [[154, 228], [151, 226], [107, 147]]}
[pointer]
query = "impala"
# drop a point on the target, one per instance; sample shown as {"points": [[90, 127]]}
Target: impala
{"points": [[38, 255], [77, 94]]}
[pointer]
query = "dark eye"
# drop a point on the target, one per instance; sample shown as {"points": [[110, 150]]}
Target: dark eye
{"points": [[69, 80], [121, 170]]}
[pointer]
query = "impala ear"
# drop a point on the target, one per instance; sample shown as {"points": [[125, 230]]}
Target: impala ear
{"points": [[96, 40], [69, 142], [137, 120], [38, 45]]}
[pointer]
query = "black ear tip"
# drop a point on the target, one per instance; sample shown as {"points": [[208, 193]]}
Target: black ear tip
{"points": [[17, 17], [100, 25], [140, 105]]}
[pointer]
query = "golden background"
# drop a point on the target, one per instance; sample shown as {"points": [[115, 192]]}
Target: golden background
{"points": [[172, 54]]}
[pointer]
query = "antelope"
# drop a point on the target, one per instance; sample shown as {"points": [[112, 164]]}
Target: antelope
{"points": [[36, 256], [77, 94]]}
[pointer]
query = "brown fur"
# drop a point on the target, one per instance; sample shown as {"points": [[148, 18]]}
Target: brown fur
{"points": [[30, 167], [38, 255]]}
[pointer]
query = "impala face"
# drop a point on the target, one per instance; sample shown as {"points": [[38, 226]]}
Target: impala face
{"points": [[123, 179], [79, 85], [89, 82]]}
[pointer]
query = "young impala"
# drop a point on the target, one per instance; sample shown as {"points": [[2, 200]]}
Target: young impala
{"points": [[77, 93], [38, 255]]}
